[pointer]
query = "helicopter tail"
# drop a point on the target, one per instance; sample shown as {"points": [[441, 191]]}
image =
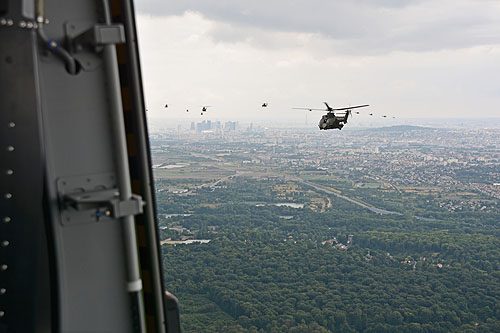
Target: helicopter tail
{"points": [[347, 114]]}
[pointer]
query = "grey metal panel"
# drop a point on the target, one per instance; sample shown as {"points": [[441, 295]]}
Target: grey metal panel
{"points": [[90, 264], [93, 290]]}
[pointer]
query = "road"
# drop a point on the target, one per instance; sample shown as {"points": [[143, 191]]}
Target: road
{"points": [[370, 208]]}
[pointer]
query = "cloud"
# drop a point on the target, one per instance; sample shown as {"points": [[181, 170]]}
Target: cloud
{"points": [[189, 60], [358, 26]]}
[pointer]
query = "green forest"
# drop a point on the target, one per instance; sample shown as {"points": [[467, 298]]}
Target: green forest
{"points": [[343, 268]]}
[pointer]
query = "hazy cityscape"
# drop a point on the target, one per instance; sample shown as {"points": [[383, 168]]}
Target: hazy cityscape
{"points": [[403, 157], [384, 202]]}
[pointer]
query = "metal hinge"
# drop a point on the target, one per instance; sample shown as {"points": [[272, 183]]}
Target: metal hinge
{"points": [[85, 40], [90, 199], [108, 199], [99, 35]]}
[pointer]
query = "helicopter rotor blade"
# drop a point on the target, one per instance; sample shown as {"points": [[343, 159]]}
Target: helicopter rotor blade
{"points": [[310, 109], [352, 107]]}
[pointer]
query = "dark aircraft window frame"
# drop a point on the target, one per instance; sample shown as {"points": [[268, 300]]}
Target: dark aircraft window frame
{"points": [[4, 7]]}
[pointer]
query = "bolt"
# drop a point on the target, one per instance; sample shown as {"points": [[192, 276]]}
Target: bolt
{"points": [[2, 313], [29, 25], [12, 124], [10, 22], [3, 21], [108, 213], [22, 24], [8, 195], [6, 219], [4, 267], [9, 172], [39, 19], [10, 148], [5, 243], [46, 21], [3, 291]]}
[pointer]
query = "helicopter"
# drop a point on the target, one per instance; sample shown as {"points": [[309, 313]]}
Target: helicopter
{"points": [[204, 108], [332, 121]]}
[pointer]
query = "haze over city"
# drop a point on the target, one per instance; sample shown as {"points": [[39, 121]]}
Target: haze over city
{"points": [[408, 59]]}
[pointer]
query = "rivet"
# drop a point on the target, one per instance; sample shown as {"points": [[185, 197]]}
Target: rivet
{"points": [[3, 21], [7, 219], [9, 172], [10, 148], [10, 22], [12, 124], [5, 243], [2, 313], [29, 25], [3, 291], [22, 24], [108, 213], [39, 19], [46, 21], [8, 195], [4, 267]]}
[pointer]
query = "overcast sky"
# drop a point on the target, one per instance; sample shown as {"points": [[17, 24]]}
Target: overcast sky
{"points": [[406, 58]]}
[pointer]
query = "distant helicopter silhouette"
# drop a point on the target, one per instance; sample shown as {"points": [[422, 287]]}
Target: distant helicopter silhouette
{"points": [[204, 109]]}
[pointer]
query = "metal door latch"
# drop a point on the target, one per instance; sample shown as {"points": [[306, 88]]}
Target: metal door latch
{"points": [[90, 199]]}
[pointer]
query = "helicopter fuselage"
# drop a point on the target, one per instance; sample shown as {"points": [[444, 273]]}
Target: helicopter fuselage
{"points": [[331, 121]]}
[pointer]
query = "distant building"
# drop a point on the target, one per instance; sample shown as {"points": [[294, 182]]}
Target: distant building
{"points": [[330, 241], [341, 247], [205, 125], [230, 126]]}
